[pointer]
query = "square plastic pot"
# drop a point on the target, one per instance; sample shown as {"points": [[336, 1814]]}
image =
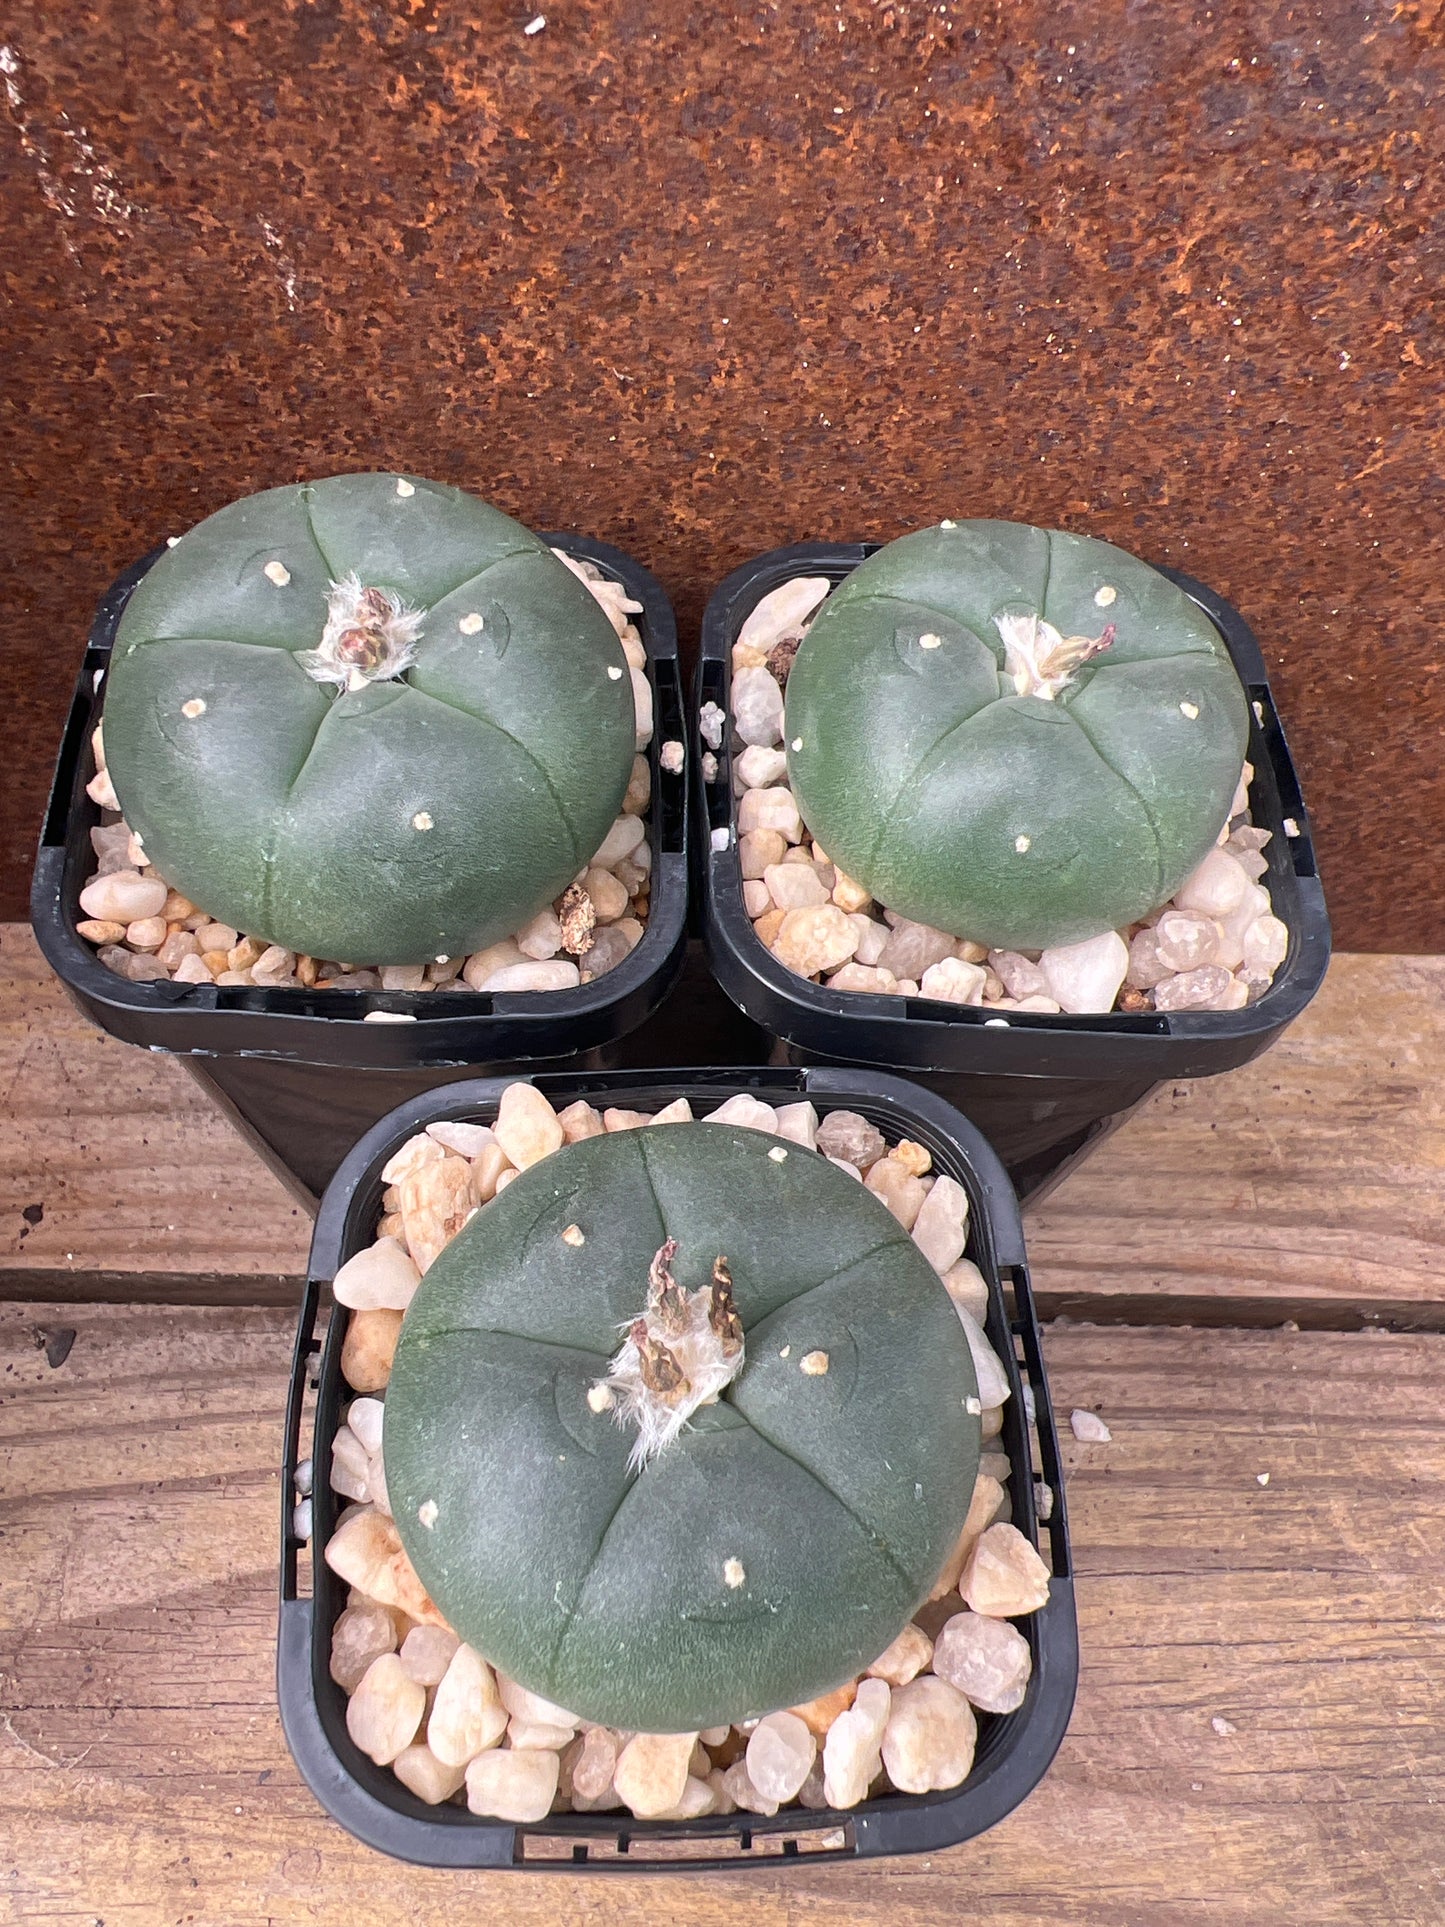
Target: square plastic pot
{"points": [[1044, 1089], [1014, 1749], [302, 1073]]}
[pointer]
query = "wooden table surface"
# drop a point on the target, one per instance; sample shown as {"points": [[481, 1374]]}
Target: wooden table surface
{"points": [[1259, 1739]]}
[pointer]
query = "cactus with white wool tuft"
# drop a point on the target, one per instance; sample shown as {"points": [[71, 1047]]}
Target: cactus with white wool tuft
{"points": [[367, 717], [1014, 735]]}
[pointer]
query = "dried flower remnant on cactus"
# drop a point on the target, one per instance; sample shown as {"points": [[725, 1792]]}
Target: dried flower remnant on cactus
{"points": [[1039, 661], [680, 1354], [370, 636]]}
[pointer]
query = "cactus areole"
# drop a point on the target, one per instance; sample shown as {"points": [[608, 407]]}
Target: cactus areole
{"points": [[369, 718], [678, 1428], [1015, 735]]}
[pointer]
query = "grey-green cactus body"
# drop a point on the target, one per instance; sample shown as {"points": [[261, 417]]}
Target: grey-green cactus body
{"points": [[784, 1538], [1018, 820], [404, 818]]}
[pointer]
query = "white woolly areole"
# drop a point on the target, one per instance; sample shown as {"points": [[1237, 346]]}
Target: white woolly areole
{"points": [[681, 1353], [1038, 660], [370, 636]]}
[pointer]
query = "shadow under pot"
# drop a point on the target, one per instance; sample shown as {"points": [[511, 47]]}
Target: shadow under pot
{"points": [[365, 786], [1066, 771], [625, 1385]]}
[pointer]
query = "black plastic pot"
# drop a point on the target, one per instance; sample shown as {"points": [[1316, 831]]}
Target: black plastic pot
{"points": [[302, 1073], [1014, 1750], [1043, 1088]]}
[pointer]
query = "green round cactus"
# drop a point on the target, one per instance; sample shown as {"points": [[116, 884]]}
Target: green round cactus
{"points": [[370, 719], [1012, 734], [677, 1430]]}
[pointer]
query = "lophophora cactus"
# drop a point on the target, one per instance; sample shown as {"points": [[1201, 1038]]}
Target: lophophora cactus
{"points": [[1013, 735], [743, 1504], [367, 717]]}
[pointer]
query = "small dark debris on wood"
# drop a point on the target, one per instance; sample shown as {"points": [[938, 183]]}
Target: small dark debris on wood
{"points": [[55, 1342]]}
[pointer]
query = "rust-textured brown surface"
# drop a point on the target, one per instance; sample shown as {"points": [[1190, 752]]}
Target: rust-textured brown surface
{"points": [[703, 280]]}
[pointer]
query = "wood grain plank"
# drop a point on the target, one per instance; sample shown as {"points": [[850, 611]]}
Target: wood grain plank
{"points": [[1309, 1185], [1311, 1182], [143, 1776]]}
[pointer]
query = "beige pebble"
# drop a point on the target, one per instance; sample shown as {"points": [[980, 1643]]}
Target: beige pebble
{"points": [[872, 939], [361, 1634], [814, 940], [905, 1659], [639, 787], [179, 946], [967, 1287], [427, 1652], [579, 1121], [146, 933], [551, 974], [872, 982], [383, 1714], [467, 1140], [420, 1149], [780, 1755], [953, 982], [819, 1714], [781, 610], [467, 1715], [794, 886], [483, 965], [899, 1189], [652, 1770], [798, 1123], [380, 1277], [850, 896], [748, 1111], [852, 1749], [1004, 1575], [930, 1738], [1215, 888], [368, 1349], [770, 809], [737, 1788], [217, 936], [101, 930], [614, 1119], [941, 1228], [679, 1111], [609, 898], [422, 1773], [624, 837], [767, 926], [398, 976], [757, 898], [759, 851], [989, 1499], [993, 1385], [541, 938], [518, 1786], [191, 970], [527, 1127], [101, 791], [436, 1201], [595, 1762]]}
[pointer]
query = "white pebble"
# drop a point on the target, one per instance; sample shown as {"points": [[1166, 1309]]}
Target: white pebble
{"points": [[1085, 977], [652, 1772], [745, 1110], [1215, 888], [467, 1715], [780, 1754], [383, 1714], [758, 767], [366, 1418], [641, 708], [757, 704], [782, 610], [1090, 1428], [988, 1660], [380, 1278], [851, 1752], [556, 975], [527, 1128], [941, 1228], [514, 1785], [993, 1385], [620, 841], [123, 897], [952, 981]]}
